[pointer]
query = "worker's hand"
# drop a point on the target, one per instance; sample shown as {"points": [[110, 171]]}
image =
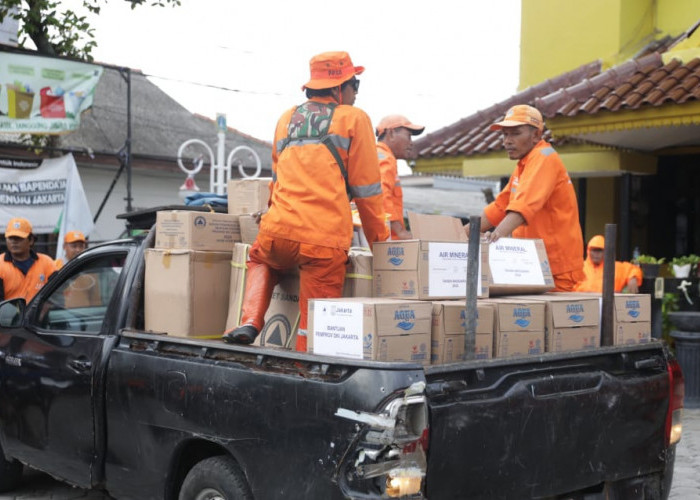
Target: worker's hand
{"points": [[492, 236], [258, 215], [633, 286]]}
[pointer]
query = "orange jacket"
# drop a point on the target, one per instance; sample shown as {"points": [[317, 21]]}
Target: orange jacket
{"points": [[15, 284], [391, 185], [309, 202], [624, 272], [540, 190]]}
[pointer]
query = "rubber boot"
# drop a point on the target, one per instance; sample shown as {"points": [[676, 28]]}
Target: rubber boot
{"points": [[260, 282]]}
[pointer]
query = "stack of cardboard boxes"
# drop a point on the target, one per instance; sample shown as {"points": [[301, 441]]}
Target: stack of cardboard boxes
{"points": [[403, 302], [516, 315], [187, 273]]}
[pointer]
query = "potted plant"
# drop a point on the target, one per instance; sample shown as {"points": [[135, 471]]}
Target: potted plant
{"points": [[650, 265], [685, 265]]}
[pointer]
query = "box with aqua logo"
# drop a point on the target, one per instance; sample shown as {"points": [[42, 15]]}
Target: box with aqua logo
{"points": [[370, 328], [432, 266], [631, 317], [572, 322], [632, 320], [448, 330], [519, 329]]}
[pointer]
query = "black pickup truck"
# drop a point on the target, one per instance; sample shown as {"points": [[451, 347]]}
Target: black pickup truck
{"points": [[89, 397]]}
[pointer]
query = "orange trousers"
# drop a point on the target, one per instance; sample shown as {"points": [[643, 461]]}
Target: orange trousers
{"points": [[566, 282], [321, 275]]}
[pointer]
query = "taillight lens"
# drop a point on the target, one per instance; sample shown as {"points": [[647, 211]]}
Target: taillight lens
{"points": [[674, 425]]}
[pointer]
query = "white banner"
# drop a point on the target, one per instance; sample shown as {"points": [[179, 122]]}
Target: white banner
{"points": [[44, 192], [44, 95]]}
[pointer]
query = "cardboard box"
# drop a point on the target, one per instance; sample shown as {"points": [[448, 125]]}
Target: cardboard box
{"points": [[448, 331], [571, 323], [632, 319], [358, 277], [246, 196], [631, 316], [249, 228], [433, 266], [204, 231], [517, 266], [282, 317], [371, 328], [186, 292], [519, 328]]}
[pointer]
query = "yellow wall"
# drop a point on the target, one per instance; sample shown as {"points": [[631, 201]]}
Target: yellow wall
{"points": [[600, 205], [676, 16], [558, 36]]}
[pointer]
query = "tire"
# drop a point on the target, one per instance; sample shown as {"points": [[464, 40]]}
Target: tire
{"points": [[10, 473], [215, 478]]}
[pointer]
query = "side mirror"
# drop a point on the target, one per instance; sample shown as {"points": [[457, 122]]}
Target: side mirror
{"points": [[12, 313]]}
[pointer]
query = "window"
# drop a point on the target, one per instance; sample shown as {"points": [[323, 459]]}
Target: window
{"points": [[80, 302]]}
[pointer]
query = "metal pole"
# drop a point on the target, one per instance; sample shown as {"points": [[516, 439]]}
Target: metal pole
{"points": [[127, 144], [608, 307], [472, 280]]}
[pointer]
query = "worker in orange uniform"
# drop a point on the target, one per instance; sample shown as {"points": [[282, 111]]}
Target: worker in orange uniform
{"points": [[394, 141], [628, 277], [323, 156], [539, 200], [74, 243], [23, 272]]}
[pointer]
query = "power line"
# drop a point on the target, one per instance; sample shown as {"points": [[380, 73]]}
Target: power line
{"points": [[217, 87]]}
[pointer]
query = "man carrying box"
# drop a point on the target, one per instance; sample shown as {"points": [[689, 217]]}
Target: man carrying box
{"points": [[324, 154], [539, 200]]}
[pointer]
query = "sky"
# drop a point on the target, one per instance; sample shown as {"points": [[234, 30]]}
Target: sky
{"points": [[435, 61]]}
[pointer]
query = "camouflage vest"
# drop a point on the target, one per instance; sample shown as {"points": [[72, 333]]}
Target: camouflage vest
{"points": [[310, 123]]}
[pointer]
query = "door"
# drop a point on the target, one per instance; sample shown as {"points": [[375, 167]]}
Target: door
{"points": [[52, 367]]}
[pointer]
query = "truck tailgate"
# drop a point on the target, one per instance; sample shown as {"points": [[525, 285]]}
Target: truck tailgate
{"points": [[541, 426]]}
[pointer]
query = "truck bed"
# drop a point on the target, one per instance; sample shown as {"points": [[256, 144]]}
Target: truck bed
{"points": [[531, 427]]}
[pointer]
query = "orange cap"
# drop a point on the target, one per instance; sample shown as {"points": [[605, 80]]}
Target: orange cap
{"points": [[73, 236], [597, 242], [522, 114], [330, 69], [18, 227], [398, 121]]}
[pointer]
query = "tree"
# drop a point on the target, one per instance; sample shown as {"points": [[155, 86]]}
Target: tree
{"points": [[58, 31]]}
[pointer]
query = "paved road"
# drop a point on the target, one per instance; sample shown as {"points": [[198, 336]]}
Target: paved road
{"points": [[686, 481]]}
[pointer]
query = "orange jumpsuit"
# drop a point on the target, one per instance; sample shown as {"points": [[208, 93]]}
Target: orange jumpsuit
{"points": [[16, 284], [540, 190], [624, 272], [391, 185], [309, 222]]}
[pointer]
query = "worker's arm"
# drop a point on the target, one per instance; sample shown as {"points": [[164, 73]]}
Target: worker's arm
{"points": [[495, 211], [510, 222]]}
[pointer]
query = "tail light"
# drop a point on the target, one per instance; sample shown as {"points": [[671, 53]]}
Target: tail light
{"points": [[389, 456], [674, 425]]}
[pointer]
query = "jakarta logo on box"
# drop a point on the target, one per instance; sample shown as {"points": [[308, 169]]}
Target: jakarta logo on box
{"points": [[395, 255], [522, 313], [200, 221], [406, 319]]}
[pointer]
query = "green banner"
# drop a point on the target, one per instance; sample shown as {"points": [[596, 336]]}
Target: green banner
{"points": [[44, 95]]}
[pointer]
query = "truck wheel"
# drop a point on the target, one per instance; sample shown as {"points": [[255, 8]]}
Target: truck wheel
{"points": [[10, 474], [215, 478]]}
